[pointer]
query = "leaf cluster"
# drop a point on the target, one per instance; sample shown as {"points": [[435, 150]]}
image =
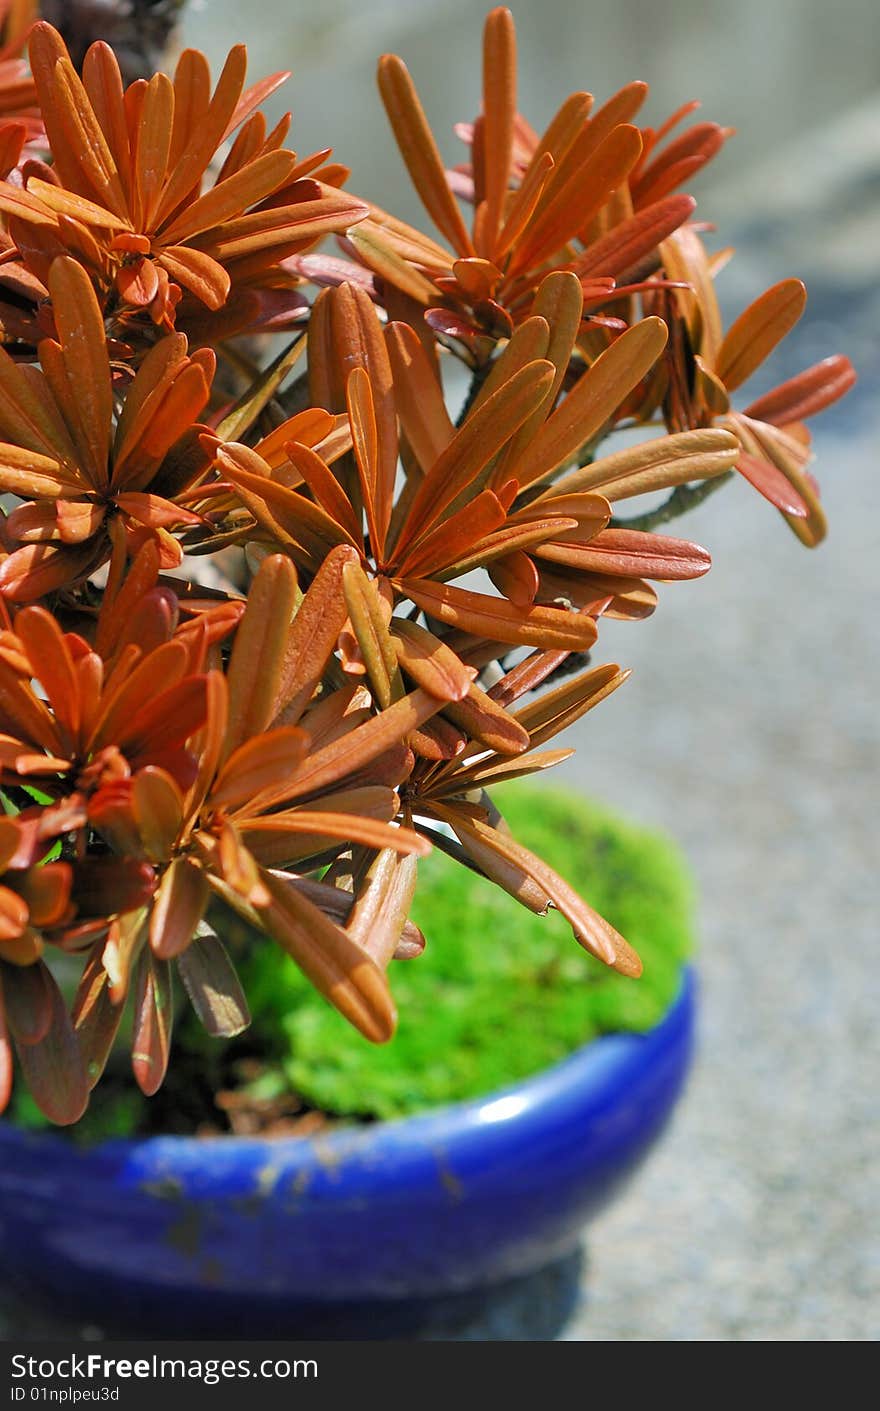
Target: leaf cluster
{"points": [[266, 640]]}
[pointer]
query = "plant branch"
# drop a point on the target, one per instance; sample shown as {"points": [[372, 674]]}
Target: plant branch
{"points": [[478, 377], [682, 499]]}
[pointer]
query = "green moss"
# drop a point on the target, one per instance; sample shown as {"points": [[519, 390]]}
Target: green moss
{"points": [[499, 993]]}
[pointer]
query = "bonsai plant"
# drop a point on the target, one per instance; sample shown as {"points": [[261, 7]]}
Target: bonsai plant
{"points": [[244, 689]]}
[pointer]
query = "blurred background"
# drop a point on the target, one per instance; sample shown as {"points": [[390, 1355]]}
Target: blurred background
{"points": [[749, 728]]}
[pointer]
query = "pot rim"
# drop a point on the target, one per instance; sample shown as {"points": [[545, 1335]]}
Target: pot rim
{"points": [[589, 1079]]}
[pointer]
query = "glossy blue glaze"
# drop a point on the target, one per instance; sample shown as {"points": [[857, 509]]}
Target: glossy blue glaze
{"points": [[240, 1233]]}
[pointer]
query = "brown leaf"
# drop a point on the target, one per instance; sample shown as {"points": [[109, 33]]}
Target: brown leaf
{"points": [[313, 635], [557, 709], [28, 993], [475, 445], [258, 764], [590, 930], [157, 805], [499, 109], [95, 1017], [382, 901], [419, 151], [491, 772], [770, 482], [483, 719], [593, 400], [213, 987], [151, 1027], [370, 626], [754, 335], [178, 907], [362, 745], [653, 465], [431, 664], [53, 1067], [256, 663], [336, 965], [499, 620], [807, 393], [632, 554]]}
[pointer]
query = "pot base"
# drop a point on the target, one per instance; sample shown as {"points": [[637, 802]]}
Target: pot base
{"points": [[380, 1225], [534, 1307]]}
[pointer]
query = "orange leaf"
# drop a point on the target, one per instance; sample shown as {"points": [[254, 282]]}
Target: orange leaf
{"points": [[258, 764], [325, 487], [593, 400], [103, 83], [590, 929], [630, 241], [197, 133], [84, 349], [229, 198], [499, 620], [499, 112], [450, 542], [754, 335], [632, 554], [312, 636], [52, 663], [255, 666], [419, 151], [152, 147], [342, 970], [807, 393], [151, 1024], [419, 396], [571, 207], [475, 445], [178, 907], [375, 488], [431, 664], [84, 139], [198, 273]]}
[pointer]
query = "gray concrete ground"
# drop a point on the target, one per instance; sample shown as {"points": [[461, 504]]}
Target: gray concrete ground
{"points": [[750, 732]]}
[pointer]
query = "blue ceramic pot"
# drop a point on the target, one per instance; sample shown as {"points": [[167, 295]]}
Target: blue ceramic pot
{"points": [[257, 1237]]}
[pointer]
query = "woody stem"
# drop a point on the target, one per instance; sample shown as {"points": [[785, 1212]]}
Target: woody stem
{"points": [[682, 499]]}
